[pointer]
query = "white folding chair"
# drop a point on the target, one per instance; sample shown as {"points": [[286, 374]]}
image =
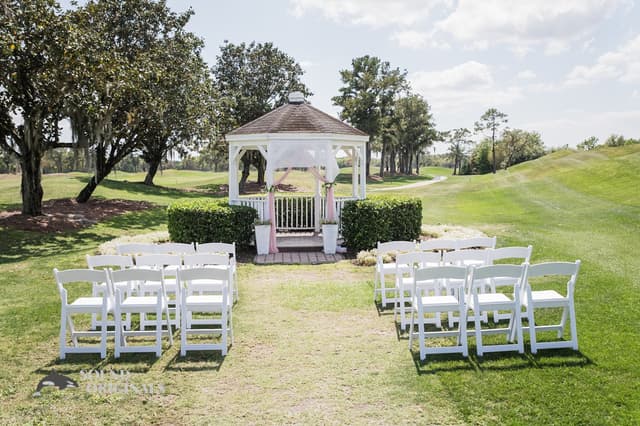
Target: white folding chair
{"points": [[383, 269], [101, 306], [230, 250], [477, 301], [175, 248], [544, 299], [136, 248], [427, 300], [512, 255], [156, 304], [477, 242], [216, 302], [207, 260], [169, 264], [103, 261], [468, 257], [406, 264]]}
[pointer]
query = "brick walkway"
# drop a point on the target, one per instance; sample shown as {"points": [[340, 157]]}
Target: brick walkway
{"points": [[297, 258]]}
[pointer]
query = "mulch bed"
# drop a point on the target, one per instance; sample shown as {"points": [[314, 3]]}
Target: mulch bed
{"points": [[67, 215]]}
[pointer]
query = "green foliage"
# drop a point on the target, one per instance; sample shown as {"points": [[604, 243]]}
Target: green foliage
{"points": [[490, 122], [205, 221], [380, 218], [588, 144]]}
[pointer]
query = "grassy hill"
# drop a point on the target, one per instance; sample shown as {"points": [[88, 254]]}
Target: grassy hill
{"points": [[568, 205]]}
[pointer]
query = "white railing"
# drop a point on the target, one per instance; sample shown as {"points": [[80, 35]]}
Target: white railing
{"points": [[294, 212], [258, 203]]}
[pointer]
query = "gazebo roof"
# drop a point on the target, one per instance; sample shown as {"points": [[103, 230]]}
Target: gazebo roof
{"points": [[296, 117]]}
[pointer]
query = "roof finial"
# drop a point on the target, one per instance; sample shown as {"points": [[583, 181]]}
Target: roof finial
{"points": [[296, 98]]}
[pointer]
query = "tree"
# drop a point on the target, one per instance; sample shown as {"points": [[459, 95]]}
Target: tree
{"points": [[519, 145], [367, 95], [491, 121], [250, 81], [33, 73], [113, 53], [181, 112], [588, 144], [458, 140], [414, 129]]}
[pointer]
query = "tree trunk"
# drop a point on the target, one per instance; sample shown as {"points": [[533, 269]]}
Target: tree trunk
{"points": [[261, 165], [103, 168], [246, 168], [384, 149], [31, 186], [153, 169], [86, 192], [493, 149], [392, 161], [418, 163]]}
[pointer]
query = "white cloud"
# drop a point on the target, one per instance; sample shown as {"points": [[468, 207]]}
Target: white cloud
{"points": [[412, 39], [526, 75], [622, 64], [462, 86], [522, 25], [374, 13]]}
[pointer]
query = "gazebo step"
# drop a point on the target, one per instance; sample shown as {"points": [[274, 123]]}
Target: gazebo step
{"points": [[299, 242], [297, 258]]}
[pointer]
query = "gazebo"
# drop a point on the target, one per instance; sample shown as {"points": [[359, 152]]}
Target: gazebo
{"points": [[297, 135]]}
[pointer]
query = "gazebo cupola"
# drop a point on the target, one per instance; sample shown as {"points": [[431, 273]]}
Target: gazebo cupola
{"points": [[301, 136]]}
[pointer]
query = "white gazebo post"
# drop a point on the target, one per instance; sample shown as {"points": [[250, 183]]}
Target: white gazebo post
{"points": [[354, 173], [317, 207]]}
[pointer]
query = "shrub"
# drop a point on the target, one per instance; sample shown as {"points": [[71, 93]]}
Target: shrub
{"points": [[210, 221], [380, 218]]}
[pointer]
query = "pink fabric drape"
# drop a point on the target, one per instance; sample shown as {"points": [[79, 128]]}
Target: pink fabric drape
{"points": [[273, 245], [331, 205]]}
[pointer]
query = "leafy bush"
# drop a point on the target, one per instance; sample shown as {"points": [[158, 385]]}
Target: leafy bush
{"points": [[380, 218], [210, 221]]}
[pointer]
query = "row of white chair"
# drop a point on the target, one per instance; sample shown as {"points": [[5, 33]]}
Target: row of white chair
{"points": [[439, 245], [169, 263], [176, 248], [404, 263], [461, 289], [201, 290]]}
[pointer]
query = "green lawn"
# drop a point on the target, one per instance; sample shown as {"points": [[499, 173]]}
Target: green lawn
{"points": [[311, 347]]}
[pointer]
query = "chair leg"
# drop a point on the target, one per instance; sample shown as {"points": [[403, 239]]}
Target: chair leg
{"points": [[462, 332], [119, 332], [383, 290], [518, 325], [574, 327], [223, 331], [563, 323], [103, 335], [411, 327], [63, 334], [478, 331], [159, 332], [421, 338], [186, 314], [533, 338]]}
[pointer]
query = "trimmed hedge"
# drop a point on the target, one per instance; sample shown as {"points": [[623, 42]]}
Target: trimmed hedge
{"points": [[206, 221], [380, 218]]}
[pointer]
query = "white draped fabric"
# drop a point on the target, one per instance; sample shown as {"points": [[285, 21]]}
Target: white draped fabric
{"points": [[283, 155]]}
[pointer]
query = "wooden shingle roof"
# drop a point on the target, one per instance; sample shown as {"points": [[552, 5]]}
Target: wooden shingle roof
{"points": [[297, 118]]}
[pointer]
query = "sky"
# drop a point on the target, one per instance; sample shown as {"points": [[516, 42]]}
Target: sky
{"points": [[569, 69]]}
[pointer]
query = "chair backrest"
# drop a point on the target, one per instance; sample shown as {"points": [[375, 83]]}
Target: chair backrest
{"points": [[395, 246], [482, 242], [141, 276], [136, 248], [81, 276], [439, 244], [202, 259], [511, 253], [119, 261], [159, 260], [481, 274], [569, 269], [175, 248], [427, 277], [420, 259], [230, 249], [476, 257], [217, 280]]}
